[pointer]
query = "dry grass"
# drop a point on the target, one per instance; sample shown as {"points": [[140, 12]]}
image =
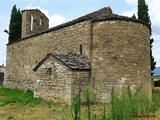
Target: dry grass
{"points": [[43, 110], [36, 112]]}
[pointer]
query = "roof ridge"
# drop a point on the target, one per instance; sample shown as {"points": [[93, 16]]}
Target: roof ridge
{"points": [[69, 59], [99, 15]]}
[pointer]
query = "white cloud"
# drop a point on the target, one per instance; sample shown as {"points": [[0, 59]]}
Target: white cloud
{"points": [[133, 11], [129, 13], [54, 19], [156, 49], [154, 8], [131, 2]]}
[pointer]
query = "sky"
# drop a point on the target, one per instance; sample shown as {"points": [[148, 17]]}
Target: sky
{"points": [[61, 11]]}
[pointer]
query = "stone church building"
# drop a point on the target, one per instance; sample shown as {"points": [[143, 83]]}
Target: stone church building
{"points": [[101, 49]]}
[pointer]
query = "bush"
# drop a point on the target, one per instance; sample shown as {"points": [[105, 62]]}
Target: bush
{"points": [[157, 83]]}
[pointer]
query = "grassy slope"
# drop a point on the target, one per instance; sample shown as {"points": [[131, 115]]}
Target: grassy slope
{"points": [[20, 105]]}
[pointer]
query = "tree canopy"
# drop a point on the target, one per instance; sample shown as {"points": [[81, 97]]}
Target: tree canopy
{"points": [[15, 24], [143, 12]]}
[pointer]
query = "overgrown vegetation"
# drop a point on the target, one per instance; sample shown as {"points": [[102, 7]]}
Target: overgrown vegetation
{"points": [[123, 106], [157, 83], [127, 106], [14, 96], [18, 104], [76, 106]]}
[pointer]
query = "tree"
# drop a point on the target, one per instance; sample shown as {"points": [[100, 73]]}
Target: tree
{"points": [[134, 16], [15, 24], [144, 16]]}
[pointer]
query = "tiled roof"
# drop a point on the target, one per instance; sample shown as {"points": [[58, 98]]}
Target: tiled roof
{"points": [[72, 60], [99, 15]]}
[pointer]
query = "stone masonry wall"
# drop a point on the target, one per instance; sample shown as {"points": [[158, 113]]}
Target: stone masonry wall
{"points": [[121, 56], [56, 85], [2, 69], [80, 80], [24, 55], [62, 83], [39, 22]]}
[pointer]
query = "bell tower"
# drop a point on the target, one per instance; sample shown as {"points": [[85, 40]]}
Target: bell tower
{"points": [[33, 22]]}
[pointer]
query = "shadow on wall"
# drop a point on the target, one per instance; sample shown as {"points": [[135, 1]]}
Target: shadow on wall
{"points": [[1, 78]]}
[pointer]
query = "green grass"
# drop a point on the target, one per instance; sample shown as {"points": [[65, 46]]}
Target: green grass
{"points": [[126, 106], [156, 99], [14, 96], [18, 104]]}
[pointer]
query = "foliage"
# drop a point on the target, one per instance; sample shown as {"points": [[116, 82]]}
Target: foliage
{"points": [[143, 12], [21, 105], [126, 106], [134, 16], [157, 83], [76, 106], [155, 99], [15, 96], [88, 99], [153, 63], [15, 24], [144, 16]]}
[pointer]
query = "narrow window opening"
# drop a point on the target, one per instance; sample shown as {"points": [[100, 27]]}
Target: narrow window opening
{"points": [[31, 22], [49, 71], [80, 49], [40, 22]]}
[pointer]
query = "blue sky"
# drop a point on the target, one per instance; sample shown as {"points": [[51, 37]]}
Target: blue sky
{"points": [[60, 11]]}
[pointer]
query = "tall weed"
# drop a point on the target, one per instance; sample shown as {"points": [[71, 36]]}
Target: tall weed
{"points": [[88, 94], [76, 106], [124, 106]]}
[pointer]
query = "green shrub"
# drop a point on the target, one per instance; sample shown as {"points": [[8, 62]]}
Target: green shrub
{"points": [[157, 83]]}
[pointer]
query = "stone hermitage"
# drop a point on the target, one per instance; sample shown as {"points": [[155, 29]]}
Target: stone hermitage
{"points": [[101, 49]]}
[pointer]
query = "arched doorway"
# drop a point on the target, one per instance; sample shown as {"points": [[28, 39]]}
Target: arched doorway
{"points": [[1, 78]]}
